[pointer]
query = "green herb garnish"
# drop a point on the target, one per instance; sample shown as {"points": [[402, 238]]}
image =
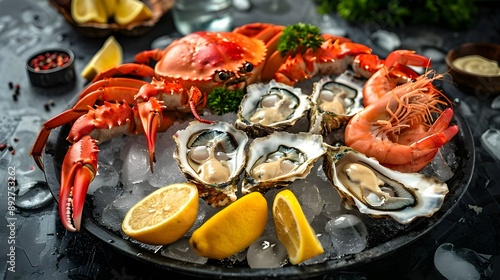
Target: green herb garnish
{"points": [[298, 38], [453, 14], [223, 100]]}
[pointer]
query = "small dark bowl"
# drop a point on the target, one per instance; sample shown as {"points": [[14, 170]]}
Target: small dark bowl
{"points": [[53, 76], [470, 82]]}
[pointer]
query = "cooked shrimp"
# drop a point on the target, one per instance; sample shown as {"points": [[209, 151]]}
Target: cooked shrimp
{"points": [[398, 129], [392, 73]]}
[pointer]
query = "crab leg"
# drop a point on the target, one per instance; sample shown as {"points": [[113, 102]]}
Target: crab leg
{"points": [[78, 170], [79, 109]]}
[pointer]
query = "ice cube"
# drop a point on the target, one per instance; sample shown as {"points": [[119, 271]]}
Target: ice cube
{"points": [[106, 176], [182, 250], [441, 168], [491, 142], [461, 263], [136, 161], [266, 252], [348, 233], [114, 213], [326, 243]]}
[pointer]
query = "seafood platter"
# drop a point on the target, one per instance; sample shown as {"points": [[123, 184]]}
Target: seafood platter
{"points": [[363, 132]]}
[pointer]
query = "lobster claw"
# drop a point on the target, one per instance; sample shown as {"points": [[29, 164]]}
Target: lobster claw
{"points": [[78, 170]]}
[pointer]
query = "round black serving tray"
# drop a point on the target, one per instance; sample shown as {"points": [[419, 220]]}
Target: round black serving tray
{"points": [[387, 237]]}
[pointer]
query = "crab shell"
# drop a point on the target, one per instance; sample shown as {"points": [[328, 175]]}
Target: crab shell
{"points": [[294, 106], [413, 194], [310, 146], [344, 88], [195, 59], [225, 138]]}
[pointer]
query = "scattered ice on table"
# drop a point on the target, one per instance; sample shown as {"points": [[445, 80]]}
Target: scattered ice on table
{"points": [[461, 263], [495, 103], [182, 250], [266, 252], [36, 197], [106, 176], [491, 142], [348, 233]]}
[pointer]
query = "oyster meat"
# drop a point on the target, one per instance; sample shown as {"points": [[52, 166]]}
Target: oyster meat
{"points": [[334, 102], [271, 107], [279, 159], [212, 156], [379, 191]]}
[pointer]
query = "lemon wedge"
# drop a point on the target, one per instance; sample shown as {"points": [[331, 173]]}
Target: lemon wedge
{"points": [[164, 216], [108, 56], [232, 229], [85, 11], [110, 7], [129, 11], [293, 229]]}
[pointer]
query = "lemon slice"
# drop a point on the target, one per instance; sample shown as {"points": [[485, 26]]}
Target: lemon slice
{"points": [[129, 11], [164, 216], [85, 11], [108, 56], [293, 229], [232, 229]]}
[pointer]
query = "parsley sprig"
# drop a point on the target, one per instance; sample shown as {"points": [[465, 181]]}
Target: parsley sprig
{"points": [[297, 38], [222, 100]]}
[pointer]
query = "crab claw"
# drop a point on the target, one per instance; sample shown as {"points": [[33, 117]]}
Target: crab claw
{"points": [[78, 170], [150, 113]]}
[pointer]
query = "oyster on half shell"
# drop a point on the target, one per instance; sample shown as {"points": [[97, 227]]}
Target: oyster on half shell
{"points": [[271, 107], [279, 159], [212, 156], [379, 191], [334, 102]]}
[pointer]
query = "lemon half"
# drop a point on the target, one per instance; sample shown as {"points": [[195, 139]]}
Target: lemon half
{"points": [[108, 56], [232, 229], [164, 216], [293, 229]]}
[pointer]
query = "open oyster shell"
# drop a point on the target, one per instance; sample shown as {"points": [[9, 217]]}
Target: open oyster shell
{"points": [[279, 159], [271, 107], [335, 100], [212, 156], [402, 196]]}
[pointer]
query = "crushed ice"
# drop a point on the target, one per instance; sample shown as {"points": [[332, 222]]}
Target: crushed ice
{"points": [[124, 177]]}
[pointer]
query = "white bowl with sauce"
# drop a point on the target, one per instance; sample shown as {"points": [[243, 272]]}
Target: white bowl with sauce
{"points": [[474, 67]]}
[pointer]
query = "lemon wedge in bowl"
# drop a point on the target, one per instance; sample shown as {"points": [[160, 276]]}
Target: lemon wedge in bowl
{"points": [[86, 11], [164, 216], [108, 56], [293, 229], [110, 7], [129, 11], [232, 229]]}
